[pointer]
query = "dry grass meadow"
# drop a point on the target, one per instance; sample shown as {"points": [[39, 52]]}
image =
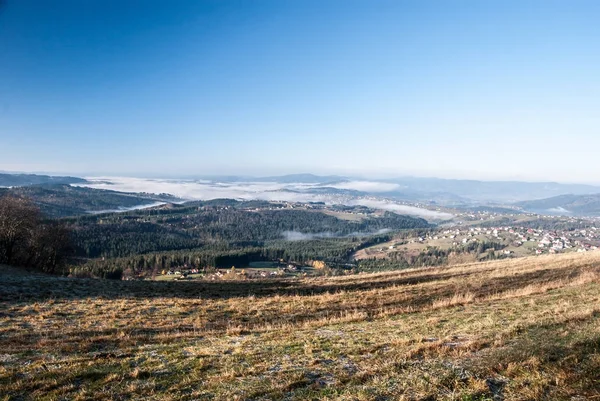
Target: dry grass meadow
{"points": [[524, 329]]}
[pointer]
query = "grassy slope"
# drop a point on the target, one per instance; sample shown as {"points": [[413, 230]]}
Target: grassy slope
{"points": [[523, 329]]}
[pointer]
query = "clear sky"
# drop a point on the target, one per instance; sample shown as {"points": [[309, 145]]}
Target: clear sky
{"points": [[463, 89]]}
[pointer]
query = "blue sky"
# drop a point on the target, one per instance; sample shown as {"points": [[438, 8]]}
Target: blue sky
{"points": [[460, 89]]}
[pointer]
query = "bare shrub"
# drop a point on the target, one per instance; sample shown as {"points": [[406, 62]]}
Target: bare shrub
{"points": [[26, 239]]}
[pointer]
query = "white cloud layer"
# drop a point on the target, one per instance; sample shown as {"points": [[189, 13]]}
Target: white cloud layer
{"points": [[402, 209], [269, 191]]}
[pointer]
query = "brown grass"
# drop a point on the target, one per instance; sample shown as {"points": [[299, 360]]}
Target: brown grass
{"points": [[522, 329]]}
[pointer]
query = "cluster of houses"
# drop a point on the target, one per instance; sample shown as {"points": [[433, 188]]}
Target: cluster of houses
{"points": [[185, 272], [538, 240], [553, 241], [534, 241], [178, 272]]}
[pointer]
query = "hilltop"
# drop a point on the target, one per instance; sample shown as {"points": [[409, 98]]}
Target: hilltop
{"points": [[502, 330], [579, 205], [60, 200], [19, 180]]}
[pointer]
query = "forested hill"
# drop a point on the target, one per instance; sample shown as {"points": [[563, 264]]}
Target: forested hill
{"points": [[218, 223], [218, 233], [61, 200], [582, 205], [20, 180]]}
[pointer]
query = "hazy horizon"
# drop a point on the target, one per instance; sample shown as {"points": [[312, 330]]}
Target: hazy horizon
{"points": [[266, 174]]}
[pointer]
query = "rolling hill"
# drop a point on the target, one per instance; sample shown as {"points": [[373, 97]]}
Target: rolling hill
{"points": [[526, 329], [61, 200], [20, 180], [580, 205], [493, 191]]}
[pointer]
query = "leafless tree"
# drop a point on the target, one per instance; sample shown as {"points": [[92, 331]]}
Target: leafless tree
{"points": [[50, 246], [27, 239], [18, 219]]}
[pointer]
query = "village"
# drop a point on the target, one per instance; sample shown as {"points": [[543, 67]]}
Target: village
{"points": [[536, 241], [256, 270], [507, 241]]}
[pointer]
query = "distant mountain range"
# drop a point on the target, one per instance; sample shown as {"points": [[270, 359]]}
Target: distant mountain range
{"points": [[62, 200], [20, 180], [437, 190], [456, 192], [445, 192], [578, 205], [492, 191], [304, 178]]}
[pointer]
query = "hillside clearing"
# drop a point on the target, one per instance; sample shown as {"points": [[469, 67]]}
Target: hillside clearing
{"points": [[514, 330]]}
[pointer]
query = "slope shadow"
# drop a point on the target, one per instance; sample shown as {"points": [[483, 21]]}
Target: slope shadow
{"points": [[38, 287]]}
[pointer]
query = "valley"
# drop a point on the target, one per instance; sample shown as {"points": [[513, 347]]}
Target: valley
{"points": [[336, 226]]}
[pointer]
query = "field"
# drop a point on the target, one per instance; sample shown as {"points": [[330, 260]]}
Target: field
{"points": [[524, 329], [344, 216]]}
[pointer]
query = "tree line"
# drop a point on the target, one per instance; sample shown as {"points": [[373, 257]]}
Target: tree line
{"points": [[223, 255]]}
